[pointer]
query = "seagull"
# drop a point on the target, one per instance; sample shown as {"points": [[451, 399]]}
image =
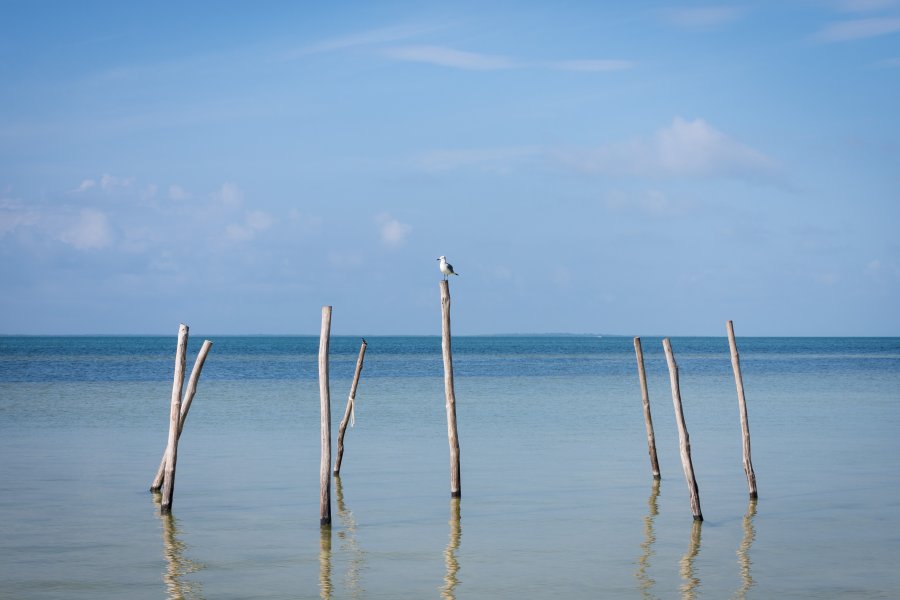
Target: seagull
{"points": [[446, 268]]}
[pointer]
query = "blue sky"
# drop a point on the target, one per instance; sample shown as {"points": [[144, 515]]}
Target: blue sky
{"points": [[626, 168]]}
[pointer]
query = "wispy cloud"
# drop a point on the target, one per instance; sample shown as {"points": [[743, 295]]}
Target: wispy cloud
{"points": [[107, 183], [111, 182], [392, 231], [449, 57], [703, 17], [84, 186], [857, 29], [90, 230], [371, 37], [254, 222], [443, 56], [229, 195], [14, 214], [178, 193], [682, 149]]}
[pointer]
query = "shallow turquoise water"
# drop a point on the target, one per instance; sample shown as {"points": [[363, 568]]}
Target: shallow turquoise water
{"points": [[557, 493]]}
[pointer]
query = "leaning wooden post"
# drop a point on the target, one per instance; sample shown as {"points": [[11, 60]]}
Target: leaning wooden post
{"points": [[168, 488], [684, 439], [455, 489], [645, 397], [325, 402], [185, 407], [349, 410], [742, 405]]}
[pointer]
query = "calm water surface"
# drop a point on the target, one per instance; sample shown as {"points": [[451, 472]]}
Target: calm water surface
{"points": [[558, 499]]}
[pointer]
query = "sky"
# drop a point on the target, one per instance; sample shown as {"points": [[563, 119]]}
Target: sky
{"points": [[619, 168]]}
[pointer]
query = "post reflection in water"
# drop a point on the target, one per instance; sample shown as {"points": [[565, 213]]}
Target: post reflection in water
{"points": [[325, 588], [743, 552], [177, 566], [349, 543], [645, 582], [450, 579], [691, 581]]}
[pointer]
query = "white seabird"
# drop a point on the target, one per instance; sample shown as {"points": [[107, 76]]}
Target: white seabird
{"points": [[446, 268]]}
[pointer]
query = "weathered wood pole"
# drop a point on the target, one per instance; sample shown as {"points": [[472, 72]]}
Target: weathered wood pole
{"points": [[742, 406], [185, 407], [325, 402], [349, 410], [645, 397], [452, 437], [683, 438], [168, 488]]}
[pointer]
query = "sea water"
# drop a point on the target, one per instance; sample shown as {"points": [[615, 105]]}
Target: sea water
{"points": [[557, 493]]}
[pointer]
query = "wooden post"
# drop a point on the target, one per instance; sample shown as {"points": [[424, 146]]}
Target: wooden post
{"points": [[684, 439], [185, 407], [645, 397], [453, 438], [742, 405], [325, 403], [349, 410], [168, 488]]}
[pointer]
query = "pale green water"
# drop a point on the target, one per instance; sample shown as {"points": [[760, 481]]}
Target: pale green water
{"points": [[557, 494]]}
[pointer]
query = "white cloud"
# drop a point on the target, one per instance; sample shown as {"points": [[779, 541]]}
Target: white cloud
{"points": [[703, 17], [857, 29], [259, 220], [85, 185], [90, 231], [683, 149], [229, 195], [365, 38], [393, 232], [14, 214], [178, 193], [449, 57], [111, 182], [458, 59], [254, 222]]}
